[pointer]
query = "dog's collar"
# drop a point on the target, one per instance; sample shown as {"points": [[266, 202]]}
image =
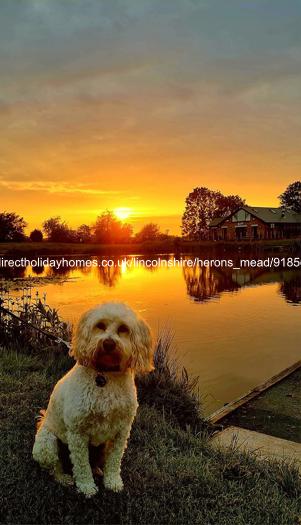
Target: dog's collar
{"points": [[101, 377]]}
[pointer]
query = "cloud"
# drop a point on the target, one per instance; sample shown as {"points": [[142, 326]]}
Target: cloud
{"points": [[52, 187], [108, 98]]}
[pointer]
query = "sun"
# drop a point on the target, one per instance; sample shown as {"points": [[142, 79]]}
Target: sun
{"points": [[122, 213]]}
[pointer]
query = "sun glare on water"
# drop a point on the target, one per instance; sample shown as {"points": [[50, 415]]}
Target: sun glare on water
{"points": [[122, 213]]}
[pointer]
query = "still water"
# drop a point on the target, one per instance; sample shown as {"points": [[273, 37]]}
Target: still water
{"points": [[233, 329]]}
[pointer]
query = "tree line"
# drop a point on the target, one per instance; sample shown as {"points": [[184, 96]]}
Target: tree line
{"points": [[106, 230], [202, 205]]}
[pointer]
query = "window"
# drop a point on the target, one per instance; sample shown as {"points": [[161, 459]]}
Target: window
{"points": [[241, 232], [254, 231], [241, 216], [224, 233]]}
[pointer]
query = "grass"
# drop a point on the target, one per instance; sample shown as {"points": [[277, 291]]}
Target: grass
{"points": [[66, 248], [171, 474], [171, 245]]}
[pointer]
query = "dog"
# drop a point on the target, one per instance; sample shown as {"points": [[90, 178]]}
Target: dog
{"points": [[95, 403]]}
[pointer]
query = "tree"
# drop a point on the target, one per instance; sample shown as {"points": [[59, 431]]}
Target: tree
{"points": [[57, 231], [228, 204], [108, 229], [83, 233], [36, 236], [203, 205], [149, 232], [126, 232], [290, 199], [11, 227]]}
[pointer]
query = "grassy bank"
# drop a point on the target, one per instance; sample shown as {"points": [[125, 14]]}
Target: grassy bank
{"points": [[171, 474], [64, 248], [166, 246]]}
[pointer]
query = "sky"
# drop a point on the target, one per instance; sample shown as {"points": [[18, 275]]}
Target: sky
{"points": [[108, 104]]}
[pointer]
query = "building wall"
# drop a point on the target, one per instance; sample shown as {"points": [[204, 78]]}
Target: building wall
{"points": [[254, 229]]}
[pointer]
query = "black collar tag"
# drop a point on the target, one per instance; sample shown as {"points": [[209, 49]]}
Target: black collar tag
{"points": [[100, 380]]}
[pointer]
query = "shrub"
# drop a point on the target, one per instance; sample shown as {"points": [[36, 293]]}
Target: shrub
{"points": [[36, 236]]}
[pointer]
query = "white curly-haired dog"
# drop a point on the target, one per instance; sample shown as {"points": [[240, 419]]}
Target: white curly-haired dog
{"points": [[96, 401]]}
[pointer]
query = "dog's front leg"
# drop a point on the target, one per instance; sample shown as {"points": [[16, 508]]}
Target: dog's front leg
{"points": [[112, 479], [79, 453]]}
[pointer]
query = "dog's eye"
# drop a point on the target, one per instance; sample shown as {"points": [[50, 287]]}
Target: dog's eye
{"points": [[123, 329], [101, 325]]}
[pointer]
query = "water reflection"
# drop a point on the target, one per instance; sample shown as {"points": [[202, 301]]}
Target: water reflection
{"points": [[290, 288], [109, 276], [38, 270], [12, 273], [205, 284], [202, 283]]}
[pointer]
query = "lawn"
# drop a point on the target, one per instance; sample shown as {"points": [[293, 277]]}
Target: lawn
{"points": [[171, 474]]}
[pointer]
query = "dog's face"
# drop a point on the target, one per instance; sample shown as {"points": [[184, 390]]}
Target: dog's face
{"points": [[111, 338]]}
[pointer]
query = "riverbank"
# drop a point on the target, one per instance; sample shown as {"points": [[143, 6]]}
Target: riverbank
{"points": [[19, 283], [275, 412], [172, 474], [163, 247], [63, 248]]}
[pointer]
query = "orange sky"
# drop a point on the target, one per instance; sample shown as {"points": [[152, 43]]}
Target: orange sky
{"points": [[133, 104]]}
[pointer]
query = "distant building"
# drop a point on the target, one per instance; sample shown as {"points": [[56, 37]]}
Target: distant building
{"points": [[253, 222]]}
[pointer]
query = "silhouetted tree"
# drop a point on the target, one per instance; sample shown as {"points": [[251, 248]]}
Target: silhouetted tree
{"points": [[36, 236], [58, 231], [11, 227], [290, 199], [227, 204], [72, 235], [108, 229], [149, 232], [203, 205], [126, 232], [83, 233]]}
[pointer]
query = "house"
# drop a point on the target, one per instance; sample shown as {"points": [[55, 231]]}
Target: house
{"points": [[253, 222]]}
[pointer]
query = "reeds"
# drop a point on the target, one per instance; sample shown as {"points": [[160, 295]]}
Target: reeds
{"points": [[26, 320], [170, 388]]}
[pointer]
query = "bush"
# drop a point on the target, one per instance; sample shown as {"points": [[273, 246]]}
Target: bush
{"points": [[36, 236]]}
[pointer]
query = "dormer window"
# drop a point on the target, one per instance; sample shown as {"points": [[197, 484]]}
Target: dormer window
{"points": [[241, 216]]}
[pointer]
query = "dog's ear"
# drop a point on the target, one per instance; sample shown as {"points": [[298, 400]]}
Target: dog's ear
{"points": [[80, 339], [142, 348]]}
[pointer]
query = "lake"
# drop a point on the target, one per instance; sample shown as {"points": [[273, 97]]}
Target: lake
{"points": [[231, 328]]}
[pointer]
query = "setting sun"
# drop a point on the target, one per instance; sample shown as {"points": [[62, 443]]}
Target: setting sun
{"points": [[122, 213]]}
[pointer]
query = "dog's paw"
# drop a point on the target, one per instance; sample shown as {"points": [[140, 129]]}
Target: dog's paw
{"points": [[88, 489], [64, 479], [113, 483]]}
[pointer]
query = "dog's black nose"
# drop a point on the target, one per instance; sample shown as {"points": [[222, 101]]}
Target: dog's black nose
{"points": [[109, 345]]}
